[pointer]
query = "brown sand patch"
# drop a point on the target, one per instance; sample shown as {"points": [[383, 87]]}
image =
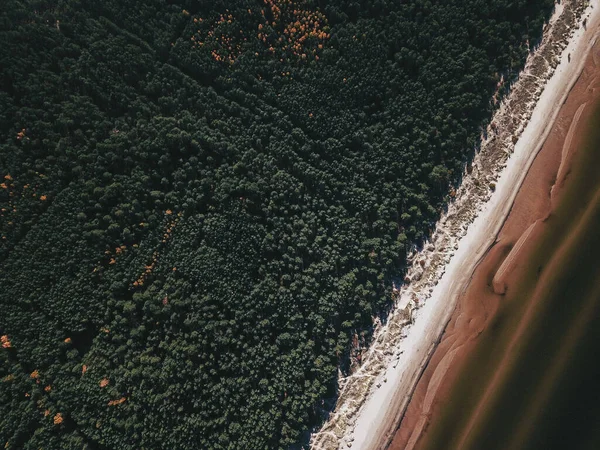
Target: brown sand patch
{"points": [[479, 303]]}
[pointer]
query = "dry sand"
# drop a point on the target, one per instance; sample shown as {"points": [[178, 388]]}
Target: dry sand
{"points": [[373, 400], [499, 268]]}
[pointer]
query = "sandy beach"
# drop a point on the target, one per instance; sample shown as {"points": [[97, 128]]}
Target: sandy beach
{"points": [[499, 269], [374, 400]]}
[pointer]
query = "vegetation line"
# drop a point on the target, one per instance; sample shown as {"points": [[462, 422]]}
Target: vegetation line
{"points": [[352, 424]]}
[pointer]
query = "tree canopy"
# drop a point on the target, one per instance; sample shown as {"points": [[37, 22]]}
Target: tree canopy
{"points": [[203, 204]]}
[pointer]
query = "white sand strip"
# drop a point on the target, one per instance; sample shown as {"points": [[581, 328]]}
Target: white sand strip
{"points": [[374, 398]]}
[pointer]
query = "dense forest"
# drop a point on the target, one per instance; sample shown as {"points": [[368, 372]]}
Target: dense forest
{"points": [[203, 205]]}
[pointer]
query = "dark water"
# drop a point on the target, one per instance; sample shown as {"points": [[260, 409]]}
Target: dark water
{"points": [[548, 394]]}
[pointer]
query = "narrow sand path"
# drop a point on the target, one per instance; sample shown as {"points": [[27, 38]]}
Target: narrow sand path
{"points": [[508, 264], [567, 145]]}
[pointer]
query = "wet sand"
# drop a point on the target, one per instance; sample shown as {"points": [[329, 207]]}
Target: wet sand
{"points": [[480, 305]]}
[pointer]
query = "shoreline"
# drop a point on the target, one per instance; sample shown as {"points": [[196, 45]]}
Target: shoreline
{"points": [[373, 400], [481, 309]]}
